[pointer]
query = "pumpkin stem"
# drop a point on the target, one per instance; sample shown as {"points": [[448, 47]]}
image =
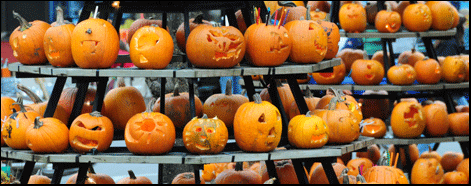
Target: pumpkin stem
{"points": [[308, 114], [204, 116], [257, 99], [175, 90], [412, 50], [91, 169], [34, 97], [60, 16], [89, 31], [229, 87], [37, 124], [388, 7], [132, 175], [23, 23], [344, 175], [151, 104], [287, 3], [96, 114], [308, 92], [19, 102], [121, 82], [308, 12], [361, 179], [198, 19], [429, 148], [239, 166]]}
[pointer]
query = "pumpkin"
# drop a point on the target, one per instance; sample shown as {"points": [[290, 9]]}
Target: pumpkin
{"points": [[436, 120], [459, 123], [186, 178], [285, 171], [39, 178], [367, 72], [14, 127], [427, 171], [292, 13], [180, 33], [385, 175], [323, 6], [307, 131], [378, 56], [377, 108], [92, 178], [47, 135], [91, 131], [284, 91], [349, 56], [333, 38], [372, 152], [344, 178], [316, 14], [177, 107], [139, 23], [352, 18], [310, 100], [388, 21], [428, 71], [257, 126], [413, 154], [27, 41], [450, 160], [67, 100], [260, 168], [215, 47], [454, 70], [373, 127], [456, 177], [133, 179], [355, 164], [318, 176], [417, 17], [149, 132], [95, 44], [145, 41], [57, 40], [122, 103], [463, 166], [402, 74], [345, 102], [431, 154], [205, 135], [462, 108], [7, 109], [267, 45], [410, 57], [407, 120], [224, 106], [240, 21], [331, 78], [209, 172], [443, 15], [309, 41], [401, 6], [238, 176]]}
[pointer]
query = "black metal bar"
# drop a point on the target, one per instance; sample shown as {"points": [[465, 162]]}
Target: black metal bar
{"points": [[164, 20], [391, 61], [429, 47], [118, 17], [191, 93], [329, 170], [449, 102], [85, 14], [385, 57], [79, 100], [231, 18], [334, 12], [82, 173], [197, 173], [55, 96], [58, 173], [435, 146], [186, 20], [275, 100], [271, 169], [380, 5], [300, 173], [465, 148], [298, 95], [26, 173], [248, 83], [100, 94], [246, 12], [163, 81]]}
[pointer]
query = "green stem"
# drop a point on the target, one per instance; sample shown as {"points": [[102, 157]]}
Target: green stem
{"points": [[23, 23]]}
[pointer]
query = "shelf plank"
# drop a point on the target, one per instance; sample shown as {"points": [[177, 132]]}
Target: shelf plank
{"points": [[399, 141], [403, 33]]}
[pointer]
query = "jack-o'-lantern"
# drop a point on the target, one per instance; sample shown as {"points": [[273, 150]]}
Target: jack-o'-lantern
{"points": [[205, 135], [333, 38], [316, 14], [407, 120], [427, 171], [352, 17], [91, 131], [7, 110], [428, 71], [47, 135], [388, 21], [95, 44], [402, 74], [57, 42], [454, 70], [417, 18], [215, 47], [180, 34], [145, 42], [307, 131], [385, 175], [349, 56], [309, 41], [27, 41], [355, 165], [436, 120], [367, 72], [443, 14], [331, 78], [373, 127], [141, 22], [267, 45], [257, 126]]}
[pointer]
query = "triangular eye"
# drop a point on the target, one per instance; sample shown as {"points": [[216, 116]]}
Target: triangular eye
{"points": [[261, 119]]}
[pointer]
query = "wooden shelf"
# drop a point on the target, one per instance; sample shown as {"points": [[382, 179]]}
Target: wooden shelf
{"points": [[421, 140], [403, 33]]}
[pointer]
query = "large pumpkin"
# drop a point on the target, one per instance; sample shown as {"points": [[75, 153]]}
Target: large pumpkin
{"points": [[407, 120], [333, 38], [367, 72], [91, 131], [180, 33], [95, 44], [436, 120], [331, 78], [352, 17], [443, 14], [145, 41], [454, 70], [47, 135], [57, 42], [257, 126], [307, 131], [27, 41], [215, 47], [417, 18], [427, 171], [205, 135], [428, 71], [402, 74]]}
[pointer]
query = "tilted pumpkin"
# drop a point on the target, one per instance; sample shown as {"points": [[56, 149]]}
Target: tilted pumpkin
{"points": [[333, 38], [407, 120], [145, 42], [47, 135], [307, 131], [91, 131], [388, 21], [139, 23], [373, 127], [57, 42]]}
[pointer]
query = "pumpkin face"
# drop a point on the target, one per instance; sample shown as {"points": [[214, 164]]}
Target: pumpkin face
{"points": [[417, 18], [267, 46], [47, 135], [427, 171], [257, 126], [402, 74], [95, 44], [180, 34], [91, 130], [139, 23], [388, 21], [145, 42], [149, 133], [57, 42], [436, 120], [459, 123], [333, 38], [205, 135], [355, 164], [385, 175], [309, 41], [454, 70], [316, 14], [306, 131], [352, 17], [407, 120], [443, 15], [215, 47], [14, 128], [428, 71], [331, 78], [342, 124], [373, 127], [367, 72], [27, 41]]}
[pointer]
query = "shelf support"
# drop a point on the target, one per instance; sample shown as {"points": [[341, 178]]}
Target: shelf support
{"points": [[300, 173], [55, 96], [271, 169], [27, 170], [329, 170]]}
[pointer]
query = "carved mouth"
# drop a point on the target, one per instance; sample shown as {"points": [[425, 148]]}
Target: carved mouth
{"points": [[85, 142], [318, 138], [91, 44], [201, 147], [409, 117], [352, 16]]}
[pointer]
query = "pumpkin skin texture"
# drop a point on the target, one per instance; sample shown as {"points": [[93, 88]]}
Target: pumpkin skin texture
{"points": [[133, 179], [410, 57], [149, 133], [257, 126], [385, 175], [402, 74], [407, 120], [464, 167], [456, 177], [139, 23], [27, 41], [436, 120], [454, 70], [333, 38], [354, 164], [311, 103], [342, 124], [186, 178], [267, 46], [92, 178], [427, 171], [91, 131], [378, 56], [374, 127], [367, 72], [318, 176], [14, 128], [47, 135], [67, 100], [57, 40], [387, 21], [285, 171], [205, 135], [180, 34], [417, 18], [450, 160], [145, 42], [428, 71], [331, 78], [352, 18], [431, 154], [349, 56], [443, 15], [95, 44], [459, 123], [373, 153], [307, 131], [232, 176], [215, 47]]}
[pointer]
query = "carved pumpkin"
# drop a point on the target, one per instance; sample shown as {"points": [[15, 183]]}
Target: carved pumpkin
{"points": [[417, 18], [355, 164], [450, 160], [318, 176], [413, 154], [372, 152], [47, 135], [257, 126], [456, 177], [91, 131], [67, 100], [428, 71], [388, 21], [464, 167], [443, 15], [307, 131], [331, 78], [402, 74], [427, 171], [367, 72], [7, 110], [133, 179], [311, 103], [180, 34], [454, 70], [316, 14], [95, 44], [92, 178], [284, 91], [145, 42], [407, 120], [345, 102], [323, 6], [267, 45], [431, 154], [436, 120], [373, 127], [333, 38], [186, 178], [352, 17], [205, 135], [215, 47], [459, 123], [349, 56], [39, 178], [139, 23], [224, 106], [27, 41], [410, 57], [238, 176], [385, 175], [57, 40]]}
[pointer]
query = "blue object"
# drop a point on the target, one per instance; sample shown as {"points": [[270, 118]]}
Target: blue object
{"points": [[354, 43], [236, 87]]}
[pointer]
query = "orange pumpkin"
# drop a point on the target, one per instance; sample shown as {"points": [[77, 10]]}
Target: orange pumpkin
{"points": [[92, 178], [57, 39], [355, 164], [27, 41], [139, 23], [39, 178], [436, 120], [373, 127], [456, 177], [292, 13], [317, 14], [349, 56], [67, 100], [180, 33], [407, 120], [372, 152], [307, 131], [186, 178], [345, 102], [410, 57], [133, 179], [385, 175], [47, 135], [7, 110], [431, 154], [417, 18], [427, 171], [402, 74], [145, 41], [378, 56], [331, 78], [454, 70], [428, 71], [388, 21], [352, 17], [285, 171], [450, 160], [91, 131], [333, 38], [459, 123], [318, 176], [413, 154], [215, 47], [464, 167], [284, 91], [238, 176], [367, 72], [311, 103], [205, 135], [443, 14]]}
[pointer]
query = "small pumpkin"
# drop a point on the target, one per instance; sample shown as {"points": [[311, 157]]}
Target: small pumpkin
{"points": [[428, 71], [141, 22], [372, 152], [352, 17], [431, 154], [307, 131], [388, 21], [417, 17], [238, 176], [443, 15], [450, 160], [331, 78], [345, 102], [7, 109], [355, 165], [407, 120], [205, 135], [133, 179], [57, 40], [91, 131], [39, 178], [459, 123], [186, 178], [145, 41], [333, 38], [373, 127], [456, 177], [427, 171], [410, 57], [454, 70], [436, 120], [402, 74], [47, 135], [367, 72], [180, 33], [92, 178], [349, 56]]}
